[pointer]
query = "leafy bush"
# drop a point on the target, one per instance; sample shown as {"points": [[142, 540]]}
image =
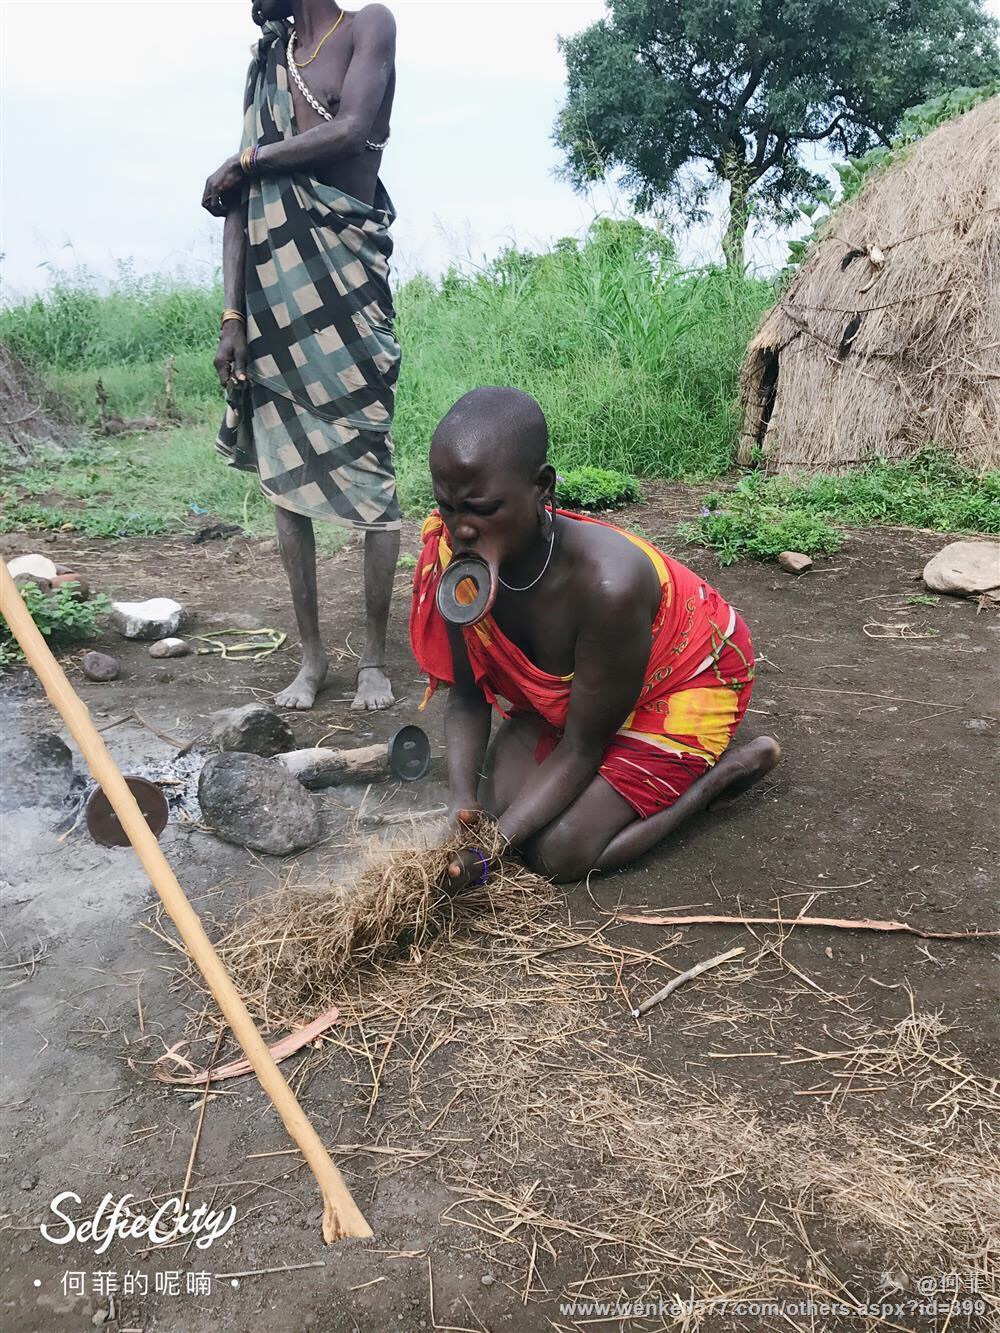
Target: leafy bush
{"points": [[58, 614], [595, 488], [930, 490], [761, 532]]}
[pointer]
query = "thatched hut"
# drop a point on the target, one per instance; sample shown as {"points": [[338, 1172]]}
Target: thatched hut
{"points": [[888, 339]]}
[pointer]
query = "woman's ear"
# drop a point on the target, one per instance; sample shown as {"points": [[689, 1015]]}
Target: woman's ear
{"points": [[546, 483]]}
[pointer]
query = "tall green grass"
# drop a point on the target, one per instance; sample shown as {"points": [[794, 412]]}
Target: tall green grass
{"points": [[633, 359]]}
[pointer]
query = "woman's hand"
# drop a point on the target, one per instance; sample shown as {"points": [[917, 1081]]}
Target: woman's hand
{"points": [[231, 358], [467, 866], [221, 185], [465, 813]]}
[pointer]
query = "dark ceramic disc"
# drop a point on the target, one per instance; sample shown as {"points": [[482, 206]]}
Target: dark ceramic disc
{"points": [[409, 754], [103, 822]]}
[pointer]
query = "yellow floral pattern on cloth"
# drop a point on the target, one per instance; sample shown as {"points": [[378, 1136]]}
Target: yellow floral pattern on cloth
{"points": [[697, 721]]}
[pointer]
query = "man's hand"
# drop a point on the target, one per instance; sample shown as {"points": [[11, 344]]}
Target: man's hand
{"points": [[231, 358], [221, 185]]}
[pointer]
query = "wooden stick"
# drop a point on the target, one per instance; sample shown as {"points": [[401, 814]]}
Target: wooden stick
{"points": [[834, 922], [689, 975], [341, 1215], [322, 767], [280, 1050], [263, 1272]]}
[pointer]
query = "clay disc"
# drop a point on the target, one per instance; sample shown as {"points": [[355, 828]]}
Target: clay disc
{"points": [[103, 822], [409, 754]]}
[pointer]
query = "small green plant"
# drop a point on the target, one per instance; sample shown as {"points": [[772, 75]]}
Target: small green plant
{"points": [[60, 616], [761, 532], [595, 488], [407, 561]]}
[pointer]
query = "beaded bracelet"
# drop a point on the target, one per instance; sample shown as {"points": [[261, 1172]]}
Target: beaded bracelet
{"points": [[248, 160], [486, 867]]}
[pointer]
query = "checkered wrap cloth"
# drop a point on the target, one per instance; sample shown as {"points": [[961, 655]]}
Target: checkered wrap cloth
{"points": [[314, 418]]}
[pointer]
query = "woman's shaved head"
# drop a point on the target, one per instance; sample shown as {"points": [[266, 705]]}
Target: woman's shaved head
{"points": [[492, 481], [504, 426]]}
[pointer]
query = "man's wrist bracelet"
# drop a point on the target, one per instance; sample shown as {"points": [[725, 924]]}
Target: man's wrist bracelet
{"points": [[233, 314], [248, 160]]}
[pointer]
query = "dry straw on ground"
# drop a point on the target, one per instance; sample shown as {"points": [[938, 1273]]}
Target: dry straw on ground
{"points": [[488, 1041], [889, 337]]}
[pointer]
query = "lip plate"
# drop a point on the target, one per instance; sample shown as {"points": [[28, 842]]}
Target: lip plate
{"points": [[464, 613], [409, 753]]}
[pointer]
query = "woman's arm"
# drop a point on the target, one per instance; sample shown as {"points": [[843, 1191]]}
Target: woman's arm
{"points": [[610, 662], [467, 721]]}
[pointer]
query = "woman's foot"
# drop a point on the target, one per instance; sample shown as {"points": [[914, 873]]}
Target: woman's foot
{"points": [[301, 694], [739, 769]]}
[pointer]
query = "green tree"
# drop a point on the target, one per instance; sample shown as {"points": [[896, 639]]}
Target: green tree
{"points": [[674, 97]]}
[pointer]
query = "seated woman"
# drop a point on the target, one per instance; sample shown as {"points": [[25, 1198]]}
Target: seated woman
{"points": [[621, 675]]}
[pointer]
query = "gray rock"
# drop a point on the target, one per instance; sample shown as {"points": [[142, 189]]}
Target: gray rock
{"points": [[33, 581], [965, 569], [100, 666], [252, 729], [170, 648], [156, 618], [794, 562], [38, 566], [37, 769], [255, 803]]}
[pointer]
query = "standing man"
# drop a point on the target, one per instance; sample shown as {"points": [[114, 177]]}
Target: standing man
{"points": [[307, 352]]}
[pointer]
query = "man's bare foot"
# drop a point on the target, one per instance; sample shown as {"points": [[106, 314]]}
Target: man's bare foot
{"points": [[374, 689], [747, 764], [306, 685]]}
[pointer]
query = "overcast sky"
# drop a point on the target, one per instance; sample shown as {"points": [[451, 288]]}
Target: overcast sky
{"points": [[115, 111]]}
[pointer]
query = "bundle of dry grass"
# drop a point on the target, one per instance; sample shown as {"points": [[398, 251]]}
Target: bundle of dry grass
{"points": [[888, 340], [291, 952]]}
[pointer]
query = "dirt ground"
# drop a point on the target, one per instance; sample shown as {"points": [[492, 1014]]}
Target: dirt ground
{"points": [[882, 808]]}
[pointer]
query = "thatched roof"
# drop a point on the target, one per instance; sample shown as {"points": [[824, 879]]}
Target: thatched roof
{"points": [[888, 339]]}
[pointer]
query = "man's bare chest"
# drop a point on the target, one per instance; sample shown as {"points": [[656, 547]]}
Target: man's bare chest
{"points": [[324, 79]]}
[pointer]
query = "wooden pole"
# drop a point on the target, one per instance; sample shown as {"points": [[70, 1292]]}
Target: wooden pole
{"points": [[341, 1215]]}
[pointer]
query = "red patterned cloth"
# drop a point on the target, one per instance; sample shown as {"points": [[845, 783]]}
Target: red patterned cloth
{"points": [[697, 687]]}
